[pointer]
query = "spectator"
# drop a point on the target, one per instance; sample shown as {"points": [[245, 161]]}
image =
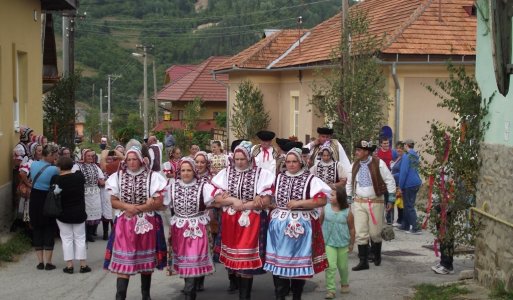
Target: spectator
{"points": [[409, 183], [193, 150], [41, 173], [396, 167], [71, 222], [169, 141]]}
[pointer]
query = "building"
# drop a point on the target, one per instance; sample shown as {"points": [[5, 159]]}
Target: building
{"points": [[494, 254], [420, 36], [184, 84], [28, 66]]}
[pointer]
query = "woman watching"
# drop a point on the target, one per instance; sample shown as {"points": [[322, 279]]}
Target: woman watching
{"points": [[218, 159], [137, 245], [41, 173], [329, 170], [71, 222]]}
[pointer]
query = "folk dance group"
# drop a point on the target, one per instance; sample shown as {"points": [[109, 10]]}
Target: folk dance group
{"points": [[271, 205]]}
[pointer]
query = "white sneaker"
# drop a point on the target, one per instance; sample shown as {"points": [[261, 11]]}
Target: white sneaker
{"points": [[436, 267], [396, 224], [442, 270]]}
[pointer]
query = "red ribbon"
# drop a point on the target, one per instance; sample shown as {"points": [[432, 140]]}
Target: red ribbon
{"points": [[374, 221], [266, 153], [435, 247], [318, 196]]}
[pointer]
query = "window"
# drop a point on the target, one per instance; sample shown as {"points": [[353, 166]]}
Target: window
{"points": [[20, 101], [295, 113], [177, 115]]}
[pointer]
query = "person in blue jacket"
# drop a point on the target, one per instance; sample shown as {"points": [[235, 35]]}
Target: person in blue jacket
{"points": [[409, 183]]}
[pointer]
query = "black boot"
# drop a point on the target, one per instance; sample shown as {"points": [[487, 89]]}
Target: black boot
{"points": [[121, 287], [189, 289], [105, 230], [280, 287], [245, 286], [94, 229], [145, 286], [89, 233], [376, 249], [200, 281], [233, 283], [363, 254], [371, 253], [297, 288]]}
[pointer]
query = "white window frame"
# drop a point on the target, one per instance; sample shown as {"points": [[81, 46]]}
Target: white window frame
{"points": [[294, 109]]}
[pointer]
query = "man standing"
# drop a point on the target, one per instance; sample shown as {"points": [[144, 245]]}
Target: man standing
{"points": [[169, 142], [409, 183], [155, 150], [367, 182], [324, 139], [264, 153]]}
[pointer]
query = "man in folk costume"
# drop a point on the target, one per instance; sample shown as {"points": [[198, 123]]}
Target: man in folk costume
{"points": [[324, 140], [155, 150], [264, 154], [368, 180]]}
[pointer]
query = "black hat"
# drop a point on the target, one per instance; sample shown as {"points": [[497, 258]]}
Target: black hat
{"points": [[235, 144], [290, 145], [365, 145], [324, 130], [281, 142], [305, 150], [265, 135]]}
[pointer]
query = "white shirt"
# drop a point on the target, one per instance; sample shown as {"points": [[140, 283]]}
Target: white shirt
{"points": [[368, 192]]}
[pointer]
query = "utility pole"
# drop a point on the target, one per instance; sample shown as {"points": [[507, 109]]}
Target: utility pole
{"points": [[145, 49], [155, 94], [101, 112], [111, 78]]}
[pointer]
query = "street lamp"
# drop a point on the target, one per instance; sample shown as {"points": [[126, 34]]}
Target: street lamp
{"points": [[145, 92]]}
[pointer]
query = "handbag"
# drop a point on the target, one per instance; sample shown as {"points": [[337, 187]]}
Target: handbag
{"points": [[53, 204], [387, 233]]}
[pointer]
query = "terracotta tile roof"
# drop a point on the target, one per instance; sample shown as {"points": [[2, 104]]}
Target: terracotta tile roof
{"points": [[264, 52], [407, 26], [197, 83], [176, 72], [202, 125]]}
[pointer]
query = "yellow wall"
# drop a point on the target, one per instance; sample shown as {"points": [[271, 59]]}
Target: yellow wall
{"points": [[208, 109], [20, 37]]}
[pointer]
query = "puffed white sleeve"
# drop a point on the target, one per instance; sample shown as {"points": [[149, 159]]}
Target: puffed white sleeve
{"points": [[112, 184], [349, 182], [342, 172], [342, 157], [387, 176], [168, 192], [100, 173], [75, 168], [208, 194], [220, 181], [313, 170], [158, 184], [319, 189], [265, 183]]}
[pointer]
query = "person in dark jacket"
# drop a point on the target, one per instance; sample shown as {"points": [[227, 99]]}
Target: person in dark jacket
{"points": [[71, 222], [409, 183]]}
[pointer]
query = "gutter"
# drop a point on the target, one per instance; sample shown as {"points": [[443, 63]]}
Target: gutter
{"points": [[397, 102], [227, 86]]}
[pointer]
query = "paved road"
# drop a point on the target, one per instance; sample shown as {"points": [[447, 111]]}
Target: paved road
{"points": [[392, 280]]}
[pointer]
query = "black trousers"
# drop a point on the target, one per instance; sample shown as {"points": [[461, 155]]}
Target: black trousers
{"points": [[447, 242], [43, 237]]}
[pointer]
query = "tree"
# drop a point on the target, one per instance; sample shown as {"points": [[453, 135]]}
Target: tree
{"points": [[451, 159], [91, 126], [59, 111], [249, 115], [192, 113], [352, 96]]}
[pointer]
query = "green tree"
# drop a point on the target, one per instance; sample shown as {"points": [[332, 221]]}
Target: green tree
{"points": [[352, 96], [451, 157], [92, 126], [221, 119], [127, 126], [249, 114], [192, 113], [59, 111]]}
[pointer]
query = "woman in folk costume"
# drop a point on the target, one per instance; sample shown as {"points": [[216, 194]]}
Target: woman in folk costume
{"points": [[295, 245], [328, 170], [94, 178], [247, 192], [36, 154], [137, 243], [218, 159], [188, 197]]}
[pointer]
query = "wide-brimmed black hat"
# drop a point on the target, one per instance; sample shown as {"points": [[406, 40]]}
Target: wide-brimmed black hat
{"points": [[324, 130], [365, 145], [305, 150], [281, 142], [265, 135], [290, 145], [235, 144]]}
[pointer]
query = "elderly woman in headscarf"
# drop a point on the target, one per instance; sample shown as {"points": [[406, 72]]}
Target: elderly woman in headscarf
{"points": [[247, 193], [94, 178], [188, 197], [329, 170], [137, 244], [295, 246]]}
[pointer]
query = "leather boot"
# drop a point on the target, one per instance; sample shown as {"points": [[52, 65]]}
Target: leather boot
{"points": [[105, 230], [233, 283], [363, 254], [94, 229], [279, 287], [371, 253], [89, 233], [245, 286], [297, 288], [121, 287], [200, 281], [189, 289], [376, 249], [145, 286]]}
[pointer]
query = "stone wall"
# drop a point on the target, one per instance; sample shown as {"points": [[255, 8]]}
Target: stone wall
{"points": [[494, 245]]}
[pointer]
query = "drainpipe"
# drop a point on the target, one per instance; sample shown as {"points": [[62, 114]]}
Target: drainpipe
{"points": [[397, 102], [227, 86]]}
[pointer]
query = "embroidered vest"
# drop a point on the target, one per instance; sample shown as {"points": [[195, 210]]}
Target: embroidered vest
{"points": [[292, 187], [328, 173], [377, 181], [188, 200], [242, 184]]}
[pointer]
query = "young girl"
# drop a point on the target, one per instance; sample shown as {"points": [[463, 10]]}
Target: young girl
{"points": [[339, 236]]}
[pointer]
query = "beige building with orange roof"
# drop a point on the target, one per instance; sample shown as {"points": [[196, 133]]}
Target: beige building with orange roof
{"points": [[420, 37]]}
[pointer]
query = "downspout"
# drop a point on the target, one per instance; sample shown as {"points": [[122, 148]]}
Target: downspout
{"points": [[227, 86], [397, 102]]}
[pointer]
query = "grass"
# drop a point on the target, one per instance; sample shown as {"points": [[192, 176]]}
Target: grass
{"points": [[500, 293], [12, 249], [434, 292]]}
